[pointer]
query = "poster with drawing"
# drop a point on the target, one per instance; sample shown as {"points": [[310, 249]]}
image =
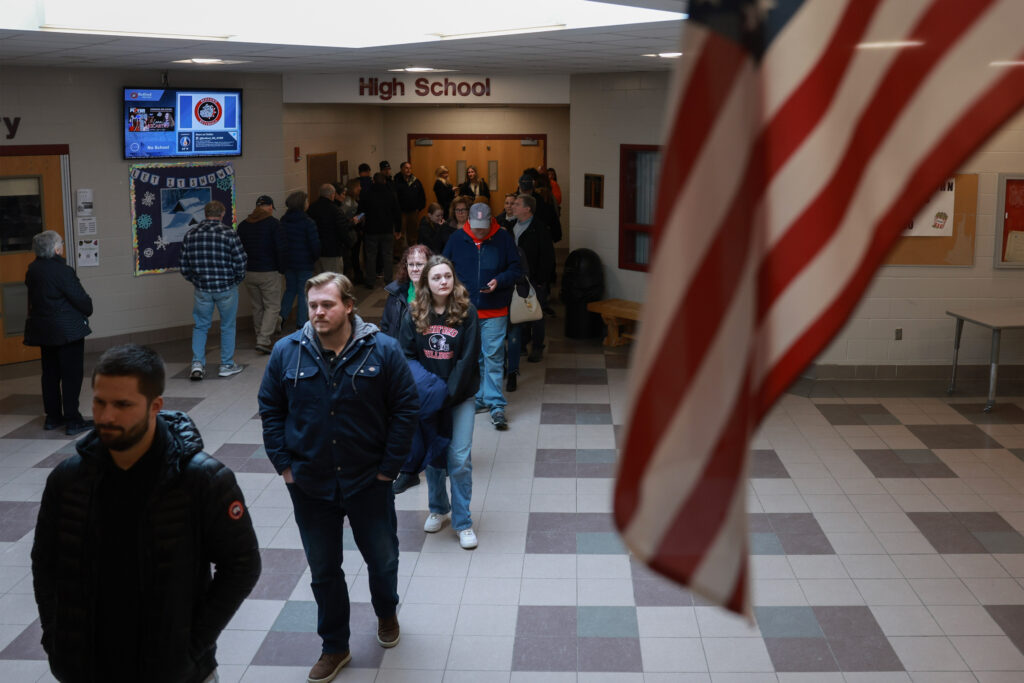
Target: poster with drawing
{"points": [[167, 200], [936, 218]]}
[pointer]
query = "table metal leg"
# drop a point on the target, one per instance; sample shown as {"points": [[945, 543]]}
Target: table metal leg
{"points": [[956, 353], [993, 368]]}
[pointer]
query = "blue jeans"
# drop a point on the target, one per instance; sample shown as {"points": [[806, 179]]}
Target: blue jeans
{"points": [[492, 353], [295, 288], [371, 514], [202, 314], [460, 470]]}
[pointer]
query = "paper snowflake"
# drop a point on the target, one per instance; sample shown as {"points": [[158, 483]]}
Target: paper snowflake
{"points": [[143, 222], [224, 184], [148, 199], [160, 243]]}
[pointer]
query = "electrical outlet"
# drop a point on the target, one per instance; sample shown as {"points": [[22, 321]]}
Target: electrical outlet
{"points": [[899, 333]]}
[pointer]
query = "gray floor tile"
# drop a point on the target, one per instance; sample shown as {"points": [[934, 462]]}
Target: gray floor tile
{"points": [[788, 622], [607, 622], [801, 654], [532, 653]]}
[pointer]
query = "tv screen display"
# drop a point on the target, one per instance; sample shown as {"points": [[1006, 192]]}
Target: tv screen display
{"points": [[182, 122]]}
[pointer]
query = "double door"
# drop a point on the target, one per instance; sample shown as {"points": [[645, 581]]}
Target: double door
{"points": [[500, 160]]}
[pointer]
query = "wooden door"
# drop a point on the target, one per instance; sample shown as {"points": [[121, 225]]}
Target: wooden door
{"points": [[500, 158], [320, 169], [31, 200]]}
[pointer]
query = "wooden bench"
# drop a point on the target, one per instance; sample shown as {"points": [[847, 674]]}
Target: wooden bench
{"points": [[616, 312]]}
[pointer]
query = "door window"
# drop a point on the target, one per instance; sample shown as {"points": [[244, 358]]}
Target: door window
{"points": [[21, 213]]}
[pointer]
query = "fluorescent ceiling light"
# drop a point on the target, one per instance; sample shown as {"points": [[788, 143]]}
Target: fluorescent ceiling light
{"points": [[501, 32], [664, 55], [338, 25], [209, 60], [1007, 62], [419, 69], [52, 28], [889, 44]]}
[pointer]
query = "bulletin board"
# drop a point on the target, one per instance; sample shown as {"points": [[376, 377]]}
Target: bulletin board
{"points": [[955, 250]]}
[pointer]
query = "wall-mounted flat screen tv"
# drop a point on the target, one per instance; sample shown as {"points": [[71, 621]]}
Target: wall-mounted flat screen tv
{"points": [[160, 123]]}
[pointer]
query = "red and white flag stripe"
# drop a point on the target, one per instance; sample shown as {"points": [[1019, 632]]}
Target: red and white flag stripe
{"points": [[783, 185]]}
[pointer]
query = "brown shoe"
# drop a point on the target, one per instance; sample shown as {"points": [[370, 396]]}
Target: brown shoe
{"points": [[328, 666], [387, 631]]}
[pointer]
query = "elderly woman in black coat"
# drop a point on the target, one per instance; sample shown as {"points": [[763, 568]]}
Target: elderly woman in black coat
{"points": [[58, 312]]}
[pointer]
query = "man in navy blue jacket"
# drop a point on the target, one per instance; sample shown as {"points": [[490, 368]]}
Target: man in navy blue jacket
{"points": [[339, 408], [487, 263]]}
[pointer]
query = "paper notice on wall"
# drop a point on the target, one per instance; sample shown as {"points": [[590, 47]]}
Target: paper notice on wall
{"points": [[1015, 247], [83, 205], [936, 218], [88, 253], [86, 225]]}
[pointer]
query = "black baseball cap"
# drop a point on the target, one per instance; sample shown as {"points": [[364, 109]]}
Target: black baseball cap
{"points": [[264, 200], [384, 165]]}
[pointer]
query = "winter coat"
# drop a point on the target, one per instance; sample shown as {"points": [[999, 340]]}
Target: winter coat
{"points": [[395, 306], [497, 258], [444, 193], [539, 249], [195, 515], [331, 225], [381, 208], [433, 235], [411, 196], [302, 243], [341, 426], [263, 239], [58, 306], [434, 427]]}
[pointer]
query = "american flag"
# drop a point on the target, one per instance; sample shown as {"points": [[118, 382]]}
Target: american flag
{"points": [[795, 155]]}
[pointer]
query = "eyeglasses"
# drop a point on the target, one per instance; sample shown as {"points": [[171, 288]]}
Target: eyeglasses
{"points": [[416, 266], [461, 210]]}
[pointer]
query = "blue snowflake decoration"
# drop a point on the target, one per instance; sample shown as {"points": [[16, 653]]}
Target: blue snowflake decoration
{"points": [[144, 222], [224, 184]]}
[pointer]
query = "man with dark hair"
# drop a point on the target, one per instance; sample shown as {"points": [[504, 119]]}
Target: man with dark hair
{"points": [[264, 242], [339, 408], [128, 528], [333, 227], [411, 200], [379, 232], [214, 261]]}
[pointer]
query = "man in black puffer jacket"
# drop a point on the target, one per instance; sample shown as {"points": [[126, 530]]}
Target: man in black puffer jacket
{"points": [[127, 530]]}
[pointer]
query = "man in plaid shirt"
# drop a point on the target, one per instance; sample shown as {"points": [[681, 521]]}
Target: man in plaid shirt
{"points": [[213, 260]]}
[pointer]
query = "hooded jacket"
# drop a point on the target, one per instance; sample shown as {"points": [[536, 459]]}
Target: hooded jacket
{"points": [[497, 258], [195, 515], [338, 427]]}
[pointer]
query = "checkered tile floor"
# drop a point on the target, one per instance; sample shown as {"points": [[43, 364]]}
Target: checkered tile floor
{"points": [[887, 541]]}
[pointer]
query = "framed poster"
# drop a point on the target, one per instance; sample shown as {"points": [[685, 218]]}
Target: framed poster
{"points": [[167, 200], [1010, 222]]}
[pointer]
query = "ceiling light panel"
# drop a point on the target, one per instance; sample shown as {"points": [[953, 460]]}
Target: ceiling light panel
{"points": [[355, 25]]}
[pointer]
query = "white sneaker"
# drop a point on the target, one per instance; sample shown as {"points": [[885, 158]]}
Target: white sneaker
{"points": [[197, 372], [467, 538], [228, 369], [434, 523]]}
